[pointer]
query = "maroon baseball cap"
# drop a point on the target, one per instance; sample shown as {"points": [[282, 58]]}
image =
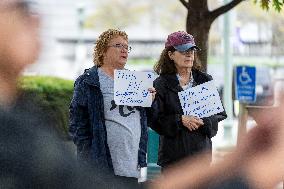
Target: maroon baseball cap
{"points": [[181, 41]]}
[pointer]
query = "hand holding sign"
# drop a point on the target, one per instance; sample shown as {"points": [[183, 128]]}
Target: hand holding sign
{"points": [[153, 92], [201, 101], [133, 88], [191, 122]]}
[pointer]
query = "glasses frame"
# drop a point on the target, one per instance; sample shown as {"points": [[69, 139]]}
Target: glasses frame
{"points": [[121, 46], [189, 51]]}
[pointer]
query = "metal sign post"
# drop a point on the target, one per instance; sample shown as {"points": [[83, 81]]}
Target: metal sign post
{"points": [[245, 82], [228, 77], [242, 122]]}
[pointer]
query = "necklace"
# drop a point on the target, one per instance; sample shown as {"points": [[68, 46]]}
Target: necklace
{"points": [[183, 82], [186, 80]]}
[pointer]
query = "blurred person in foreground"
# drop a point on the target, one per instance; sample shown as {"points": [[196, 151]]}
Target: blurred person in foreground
{"points": [[181, 135], [19, 46], [108, 137], [256, 163], [31, 154]]}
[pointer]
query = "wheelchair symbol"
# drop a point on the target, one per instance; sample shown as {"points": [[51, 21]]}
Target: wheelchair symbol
{"points": [[244, 77]]}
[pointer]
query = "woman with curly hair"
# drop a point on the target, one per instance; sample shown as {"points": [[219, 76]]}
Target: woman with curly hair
{"points": [[180, 135], [108, 136]]}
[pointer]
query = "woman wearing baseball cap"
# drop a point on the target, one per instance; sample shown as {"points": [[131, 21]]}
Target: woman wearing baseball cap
{"points": [[180, 135]]}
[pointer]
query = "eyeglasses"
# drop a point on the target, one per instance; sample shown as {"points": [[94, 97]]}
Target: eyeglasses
{"points": [[121, 46], [189, 51]]}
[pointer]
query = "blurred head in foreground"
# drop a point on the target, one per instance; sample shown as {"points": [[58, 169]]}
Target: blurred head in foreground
{"points": [[19, 43]]}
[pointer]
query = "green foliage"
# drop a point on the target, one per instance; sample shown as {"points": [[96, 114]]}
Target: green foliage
{"points": [[53, 95], [276, 4]]}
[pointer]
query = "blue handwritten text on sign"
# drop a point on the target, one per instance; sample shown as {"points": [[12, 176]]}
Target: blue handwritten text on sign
{"points": [[201, 101], [131, 88]]}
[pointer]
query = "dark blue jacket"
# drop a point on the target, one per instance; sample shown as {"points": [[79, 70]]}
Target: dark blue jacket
{"points": [[87, 123]]}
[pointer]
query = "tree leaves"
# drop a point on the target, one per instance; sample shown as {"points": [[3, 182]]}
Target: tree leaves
{"points": [[277, 5], [266, 4]]}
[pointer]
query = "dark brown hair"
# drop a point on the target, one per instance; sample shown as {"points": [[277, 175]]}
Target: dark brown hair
{"points": [[165, 65]]}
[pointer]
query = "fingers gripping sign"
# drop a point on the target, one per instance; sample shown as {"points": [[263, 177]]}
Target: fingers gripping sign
{"points": [[191, 122]]}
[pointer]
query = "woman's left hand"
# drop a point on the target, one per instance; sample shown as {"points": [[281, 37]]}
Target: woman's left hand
{"points": [[152, 90]]}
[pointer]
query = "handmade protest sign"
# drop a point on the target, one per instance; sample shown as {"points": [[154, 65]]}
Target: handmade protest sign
{"points": [[201, 101], [131, 88]]}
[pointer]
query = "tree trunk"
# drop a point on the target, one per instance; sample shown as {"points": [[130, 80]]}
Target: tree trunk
{"points": [[199, 20], [201, 35], [198, 24]]}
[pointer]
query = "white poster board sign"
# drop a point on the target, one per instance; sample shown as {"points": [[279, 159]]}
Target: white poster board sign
{"points": [[131, 88], [201, 101]]}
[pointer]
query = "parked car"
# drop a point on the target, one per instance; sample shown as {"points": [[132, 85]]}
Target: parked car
{"points": [[264, 87]]}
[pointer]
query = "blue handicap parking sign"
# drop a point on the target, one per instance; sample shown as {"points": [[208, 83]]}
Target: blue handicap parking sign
{"points": [[245, 81]]}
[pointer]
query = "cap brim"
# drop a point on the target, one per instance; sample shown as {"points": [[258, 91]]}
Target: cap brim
{"points": [[185, 47]]}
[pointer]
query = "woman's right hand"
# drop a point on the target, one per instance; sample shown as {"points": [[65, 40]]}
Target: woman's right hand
{"points": [[153, 91], [191, 122]]}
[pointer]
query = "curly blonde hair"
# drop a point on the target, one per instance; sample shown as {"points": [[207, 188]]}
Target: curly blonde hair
{"points": [[102, 42]]}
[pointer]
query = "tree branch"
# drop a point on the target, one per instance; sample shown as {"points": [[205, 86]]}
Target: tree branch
{"points": [[223, 9], [184, 3]]}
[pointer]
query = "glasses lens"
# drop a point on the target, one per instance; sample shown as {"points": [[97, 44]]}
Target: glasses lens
{"points": [[189, 51]]}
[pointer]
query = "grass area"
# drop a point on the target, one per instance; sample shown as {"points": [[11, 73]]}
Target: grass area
{"points": [[237, 60], [149, 61], [252, 60]]}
